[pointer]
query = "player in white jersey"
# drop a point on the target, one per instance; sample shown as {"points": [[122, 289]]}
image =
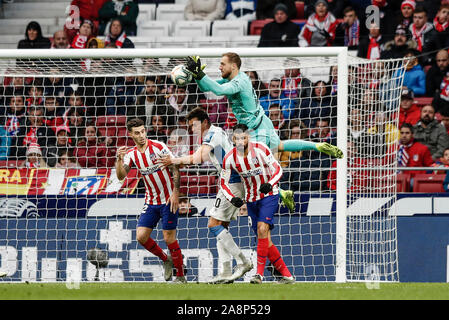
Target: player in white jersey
{"points": [[215, 144], [161, 196], [260, 172]]}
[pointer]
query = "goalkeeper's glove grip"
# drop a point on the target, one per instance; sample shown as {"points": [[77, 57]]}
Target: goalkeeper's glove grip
{"points": [[237, 202], [195, 67], [265, 188]]}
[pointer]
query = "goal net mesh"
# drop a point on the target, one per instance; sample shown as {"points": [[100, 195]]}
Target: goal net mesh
{"points": [[63, 120]]}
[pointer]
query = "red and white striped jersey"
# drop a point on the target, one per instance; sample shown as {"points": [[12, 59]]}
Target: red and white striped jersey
{"points": [[257, 168], [158, 181]]}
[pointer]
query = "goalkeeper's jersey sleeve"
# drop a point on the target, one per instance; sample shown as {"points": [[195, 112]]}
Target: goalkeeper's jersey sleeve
{"points": [[240, 94]]}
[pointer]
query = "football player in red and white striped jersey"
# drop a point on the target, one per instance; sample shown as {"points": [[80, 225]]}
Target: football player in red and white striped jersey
{"points": [[161, 198], [260, 172]]}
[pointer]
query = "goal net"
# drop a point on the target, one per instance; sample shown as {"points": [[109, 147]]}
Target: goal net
{"points": [[64, 215]]}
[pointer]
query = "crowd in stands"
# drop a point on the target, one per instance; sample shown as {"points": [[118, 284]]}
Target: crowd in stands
{"points": [[56, 122]]}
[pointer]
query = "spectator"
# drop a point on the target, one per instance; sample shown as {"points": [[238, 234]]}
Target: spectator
{"points": [[63, 142], [186, 209], [276, 116], [158, 128], [117, 36], [179, 104], [34, 38], [385, 129], [281, 32], [204, 10], [275, 96], [95, 43], [90, 152], [35, 96], [441, 101], [294, 85], [320, 28], [52, 113], [125, 11], [265, 8], [436, 73], [123, 94], [34, 157], [321, 105], [348, 32], [431, 6], [333, 80], [414, 77], [258, 85], [58, 87], [398, 47], [445, 119], [77, 123], [15, 122], [297, 130], [240, 10], [372, 45], [178, 142], [406, 14], [443, 162], [60, 40], [409, 112], [335, 7], [5, 142], [431, 133], [323, 132], [88, 10], [441, 24], [66, 160], [147, 102], [411, 152], [83, 36], [425, 35], [357, 124], [387, 18]]}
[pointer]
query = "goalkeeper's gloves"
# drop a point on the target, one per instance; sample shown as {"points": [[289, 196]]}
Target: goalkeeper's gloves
{"points": [[265, 188], [329, 149], [237, 202], [195, 67]]}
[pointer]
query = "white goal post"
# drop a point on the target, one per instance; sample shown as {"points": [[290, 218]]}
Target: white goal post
{"points": [[363, 237]]}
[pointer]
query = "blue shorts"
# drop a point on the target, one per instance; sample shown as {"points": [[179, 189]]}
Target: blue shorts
{"points": [[263, 210], [150, 216]]}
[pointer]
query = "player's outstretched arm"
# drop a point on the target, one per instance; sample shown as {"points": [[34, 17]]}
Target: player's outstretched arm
{"points": [[121, 169], [200, 156]]}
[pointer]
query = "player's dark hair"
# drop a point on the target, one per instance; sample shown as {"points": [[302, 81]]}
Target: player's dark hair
{"points": [[133, 123], [233, 58], [240, 127], [198, 113]]}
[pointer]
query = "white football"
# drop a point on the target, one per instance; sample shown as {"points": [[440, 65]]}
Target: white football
{"points": [[180, 75]]}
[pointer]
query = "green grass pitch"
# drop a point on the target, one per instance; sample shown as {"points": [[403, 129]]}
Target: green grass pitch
{"points": [[236, 291]]}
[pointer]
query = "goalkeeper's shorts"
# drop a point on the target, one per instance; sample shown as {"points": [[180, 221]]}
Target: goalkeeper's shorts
{"points": [[265, 132], [223, 210]]}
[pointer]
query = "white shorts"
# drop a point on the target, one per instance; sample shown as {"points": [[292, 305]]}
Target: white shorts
{"points": [[223, 209]]}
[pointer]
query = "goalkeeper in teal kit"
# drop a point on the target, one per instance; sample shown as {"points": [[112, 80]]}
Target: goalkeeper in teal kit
{"points": [[237, 87]]}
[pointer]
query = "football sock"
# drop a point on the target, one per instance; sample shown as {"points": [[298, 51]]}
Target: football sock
{"points": [[298, 145], [153, 247], [275, 258], [224, 258], [262, 252], [228, 243], [176, 255]]}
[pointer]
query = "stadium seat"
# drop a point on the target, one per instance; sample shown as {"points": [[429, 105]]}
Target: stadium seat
{"points": [[245, 41], [195, 185], [115, 121], [172, 42], [192, 28], [229, 28], [210, 42], [147, 10], [257, 26], [299, 9], [403, 182], [429, 183], [422, 101], [155, 28], [168, 11], [11, 163]]}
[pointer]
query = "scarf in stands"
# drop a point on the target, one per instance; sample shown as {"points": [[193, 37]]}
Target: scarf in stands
{"points": [[374, 48], [79, 42], [290, 86], [32, 165], [438, 26], [444, 92], [352, 34], [12, 125], [119, 42], [30, 137], [403, 155], [418, 35]]}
